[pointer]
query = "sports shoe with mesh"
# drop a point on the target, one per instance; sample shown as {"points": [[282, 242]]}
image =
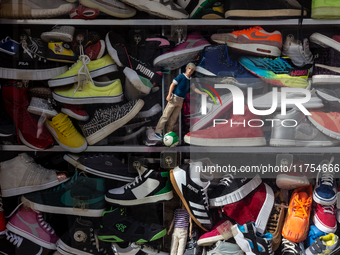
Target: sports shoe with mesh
{"points": [[328, 244], [296, 224], [113, 8], [327, 122], [278, 71], [59, 33], [221, 231]]}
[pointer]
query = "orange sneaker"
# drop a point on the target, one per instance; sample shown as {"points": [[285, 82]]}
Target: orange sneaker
{"points": [[254, 40], [327, 122], [296, 224]]}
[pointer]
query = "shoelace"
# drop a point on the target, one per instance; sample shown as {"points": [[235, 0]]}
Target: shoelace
{"points": [[288, 247], [227, 179], [327, 179], [299, 207], [5, 40], [328, 209], [65, 126], [95, 242], [31, 49], [205, 195], [14, 239], [44, 224], [269, 245], [134, 182]]}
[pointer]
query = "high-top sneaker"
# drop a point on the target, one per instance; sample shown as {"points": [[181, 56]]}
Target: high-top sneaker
{"points": [[2, 218], [59, 33], [30, 129], [60, 52], [324, 217], [297, 51], [149, 187], [193, 192], [7, 125], [81, 239], [30, 224]]}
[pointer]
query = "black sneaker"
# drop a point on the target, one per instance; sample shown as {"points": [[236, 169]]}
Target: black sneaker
{"points": [[261, 9], [117, 48], [232, 189], [326, 67], [102, 122], [149, 187], [81, 239], [103, 165], [118, 227], [152, 104], [290, 248], [192, 248], [7, 125], [193, 192], [13, 244]]}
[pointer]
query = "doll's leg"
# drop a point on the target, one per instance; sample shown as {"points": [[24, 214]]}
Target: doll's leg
{"points": [[165, 117], [173, 119], [182, 241], [174, 242]]}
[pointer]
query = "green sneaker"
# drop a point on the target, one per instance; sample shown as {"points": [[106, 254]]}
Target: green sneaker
{"points": [[80, 196], [96, 68], [118, 227], [325, 9]]}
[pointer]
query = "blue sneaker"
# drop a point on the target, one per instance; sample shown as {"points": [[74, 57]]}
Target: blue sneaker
{"points": [[225, 67], [277, 71], [314, 233], [9, 46]]}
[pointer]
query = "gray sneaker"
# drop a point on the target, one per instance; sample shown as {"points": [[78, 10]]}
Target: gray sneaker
{"points": [[59, 34], [328, 244], [297, 51], [22, 175], [42, 107], [225, 248], [303, 134]]}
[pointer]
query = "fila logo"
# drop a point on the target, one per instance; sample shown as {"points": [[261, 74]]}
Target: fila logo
{"points": [[145, 71], [192, 188], [23, 63]]}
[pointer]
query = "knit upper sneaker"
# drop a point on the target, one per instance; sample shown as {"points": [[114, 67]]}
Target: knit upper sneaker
{"points": [[325, 9], [149, 187], [118, 227], [81, 196], [328, 244]]}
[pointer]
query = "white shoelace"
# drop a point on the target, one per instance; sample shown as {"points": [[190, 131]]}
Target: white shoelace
{"points": [[44, 224], [16, 240], [227, 179], [205, 195]]}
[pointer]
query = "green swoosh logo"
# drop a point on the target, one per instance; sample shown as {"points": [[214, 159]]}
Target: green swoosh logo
{"points": [[68, 200]]}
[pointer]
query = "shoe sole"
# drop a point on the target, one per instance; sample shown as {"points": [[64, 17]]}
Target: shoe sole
{"points": [[325, 12], [329, 98], [323, 129], [41, 112], [23, 140], [201, 6], [323, 201], [263, 13], [30, 236], [65, 249], [174, 60], [285, 182], [322, 227], [288, 142], [73, 161], [146, 200], [227, 142], [30, 74], [236, 195], [74, 78], [73, 115], [87, 100], [20, 11], [210, 240], [258, 49], [113, 140], [324, 41], [155, 8], [149, 113], [263, 216], [107, 130], [133, 77], [325, 79], [104, 9], [51, 36], [112, 51]]}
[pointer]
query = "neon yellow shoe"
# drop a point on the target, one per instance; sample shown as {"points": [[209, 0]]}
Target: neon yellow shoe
{"points": [[97, 67], [99, 92], [328, 244], [60, 52], [325, 9], [66, 134]]}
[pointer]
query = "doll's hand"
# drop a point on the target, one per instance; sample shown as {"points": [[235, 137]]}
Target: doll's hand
{"points": [[168, 98]]}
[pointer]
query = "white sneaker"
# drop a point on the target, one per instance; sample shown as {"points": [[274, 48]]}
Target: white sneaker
{"points": [[298, 52], [59, 33]]}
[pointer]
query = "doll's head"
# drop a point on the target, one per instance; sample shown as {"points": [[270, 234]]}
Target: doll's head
{"points": [[190, 69]]}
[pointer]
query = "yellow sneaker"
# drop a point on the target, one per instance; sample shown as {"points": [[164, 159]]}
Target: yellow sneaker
{"points": [[97, 68], [99, 92], [60, 52], [66, 134]]}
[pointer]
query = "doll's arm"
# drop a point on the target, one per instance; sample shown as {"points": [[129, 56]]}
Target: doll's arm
{"points": [[197, 90], [190, 228], [171, 225], [172, 87]]}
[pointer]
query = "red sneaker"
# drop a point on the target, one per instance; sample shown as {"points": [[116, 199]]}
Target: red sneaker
{"points": [[236, 132], [293, 179], [82, 12], [324, 218], [75, 111], [221, 231], [95, 51], [327, 122]]}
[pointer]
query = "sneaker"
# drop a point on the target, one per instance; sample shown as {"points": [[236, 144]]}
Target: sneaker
{"points": [[30, 9], [292, 179], [255, 207], [314, 233], [152, 104], [118, 227], [195, 8], [192, 191], [324, 217], [113, 8], [85, 38], [7, 125], [82, 12], [160, 8], [290, 248], [231, 189], [276, 219], [58, 33], [192, 247], [221, 231], [297, 51], [183, 53], [81, 238], [80, 196], [225, 248], [251, 241], [328, 244], [262, 9], [96, 68], [9, 46], [101, 165], [147, 249], [296, 224], [2, 218], [152, 138], [327, 67], [298, 132], [66, 135], [118, 48], [90, 93], [96, 51], [103, 122], [40, 92], [22, 175], [75, 112], [30, 224], [325, 41], [253, 41], [329, 94], [229, 134], [278, 71], [325, 190], [324, 9], [42, 107], [326, 122], [216, 12], [60, 52]]}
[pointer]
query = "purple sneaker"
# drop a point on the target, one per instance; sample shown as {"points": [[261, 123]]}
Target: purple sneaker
{"points": [[183, 53], [31, 225]]}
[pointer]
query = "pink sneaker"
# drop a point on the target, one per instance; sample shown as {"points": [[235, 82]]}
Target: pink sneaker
{"points": [[183, 53], [75, 111], [31, 225], [221, 231], [324, 218], [2, 219]]}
